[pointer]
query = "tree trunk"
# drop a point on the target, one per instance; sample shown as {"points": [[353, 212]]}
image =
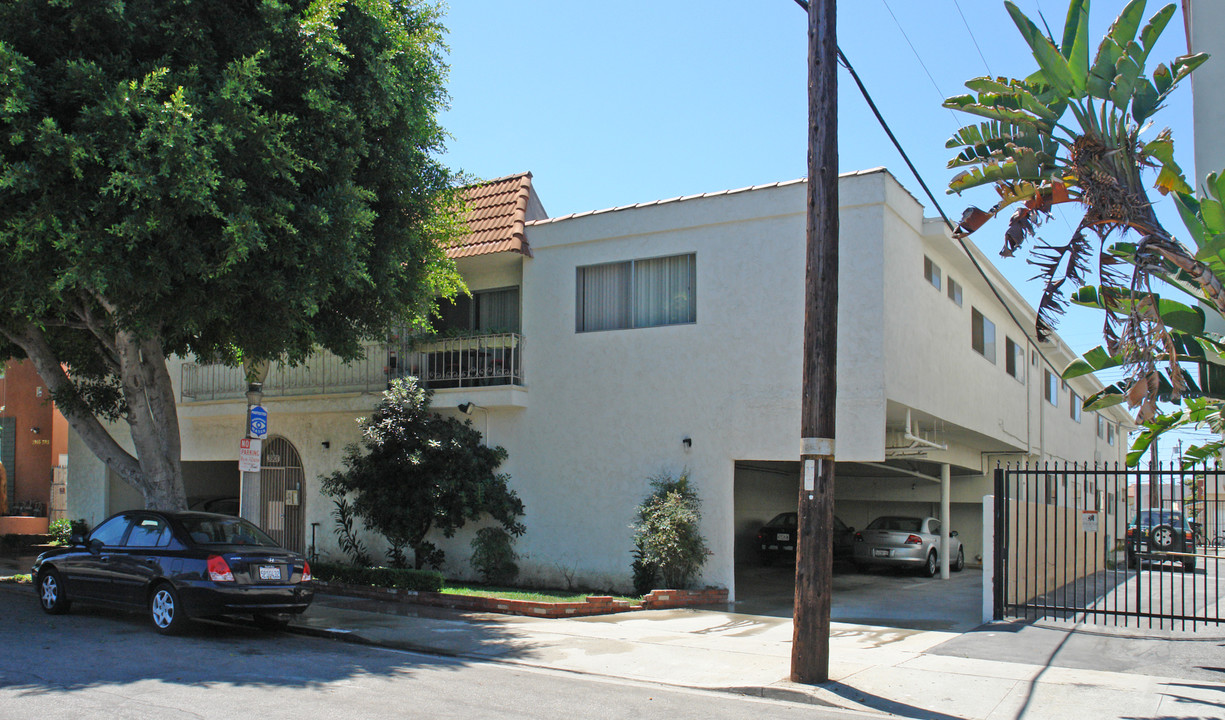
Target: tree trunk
{"points": [[152, 415]]}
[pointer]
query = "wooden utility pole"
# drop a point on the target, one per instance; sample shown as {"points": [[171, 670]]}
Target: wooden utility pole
{"points": [[814, 546]]}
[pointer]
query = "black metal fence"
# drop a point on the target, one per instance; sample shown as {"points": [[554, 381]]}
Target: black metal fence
{"points": [[1110, 545]]}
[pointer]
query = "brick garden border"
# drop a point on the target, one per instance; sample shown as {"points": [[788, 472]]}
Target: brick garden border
{"points": [[593, 605]]}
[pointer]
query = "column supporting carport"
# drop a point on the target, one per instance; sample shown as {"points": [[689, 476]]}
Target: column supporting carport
{"points": [[945, 490]]}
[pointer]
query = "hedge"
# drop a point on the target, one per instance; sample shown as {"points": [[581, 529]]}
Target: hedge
{"points": [[421, 580]]}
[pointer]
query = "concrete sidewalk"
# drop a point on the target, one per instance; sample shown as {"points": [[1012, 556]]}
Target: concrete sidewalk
{"points": [[1007, 670], [879, 670]]}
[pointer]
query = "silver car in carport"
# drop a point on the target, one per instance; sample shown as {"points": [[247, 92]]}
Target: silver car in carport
{"points": [[897, 541]]}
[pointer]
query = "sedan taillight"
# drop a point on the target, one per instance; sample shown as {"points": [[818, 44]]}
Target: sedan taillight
{"points": [[914, 540], [219, 569], [858, 537], [306, 572]]}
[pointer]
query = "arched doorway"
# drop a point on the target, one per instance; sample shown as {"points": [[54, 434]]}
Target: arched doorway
{"points": [[282, 485]]}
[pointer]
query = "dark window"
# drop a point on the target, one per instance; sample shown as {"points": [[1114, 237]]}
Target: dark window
{"points": [[1014, 359], [931, 271], [982, 334], [110, 533], [148, 532], [955, 291]]}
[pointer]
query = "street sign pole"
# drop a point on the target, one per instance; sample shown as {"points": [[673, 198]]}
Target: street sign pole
{"points": [[249, 491], [814, 546]]}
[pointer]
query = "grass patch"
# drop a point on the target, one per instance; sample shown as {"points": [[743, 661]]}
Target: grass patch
{"points": [[508, 593], [18, 579]]}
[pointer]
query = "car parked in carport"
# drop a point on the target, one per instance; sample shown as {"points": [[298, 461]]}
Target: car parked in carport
{"points": [[177, 566], [896, 541], [776, 539]]}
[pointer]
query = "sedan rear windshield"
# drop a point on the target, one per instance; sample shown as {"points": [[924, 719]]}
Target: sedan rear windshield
{"points": [[225, 531], [898, 524]]}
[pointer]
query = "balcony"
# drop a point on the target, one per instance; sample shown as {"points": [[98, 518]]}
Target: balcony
{"points": [[462, 362]]}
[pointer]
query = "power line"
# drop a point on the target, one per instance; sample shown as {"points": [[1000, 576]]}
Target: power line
{"points": [[972, 38], [918, 57]]}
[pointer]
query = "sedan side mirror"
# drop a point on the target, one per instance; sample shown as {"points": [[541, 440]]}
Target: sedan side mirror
{"points": [[953, 534], [95, 546], [76, 539]]}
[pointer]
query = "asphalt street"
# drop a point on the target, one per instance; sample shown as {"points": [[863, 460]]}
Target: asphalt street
{"points": [[103, 664]]}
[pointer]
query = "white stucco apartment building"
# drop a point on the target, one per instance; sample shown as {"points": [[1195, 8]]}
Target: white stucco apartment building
{"points": [[607, 347]]}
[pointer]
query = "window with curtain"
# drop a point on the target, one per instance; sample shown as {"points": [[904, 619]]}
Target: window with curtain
{"points": [[486, 311], [636, 294]]}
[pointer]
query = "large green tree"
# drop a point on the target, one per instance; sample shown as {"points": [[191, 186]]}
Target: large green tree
{"points": [[230, 179], [1075, 131]]}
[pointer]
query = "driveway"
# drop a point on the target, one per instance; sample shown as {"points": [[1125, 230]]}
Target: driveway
{"points": [[884, 598]]}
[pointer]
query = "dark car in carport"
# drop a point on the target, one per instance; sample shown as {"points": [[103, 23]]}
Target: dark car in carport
{"points": [[177, 566], [776, 539]]}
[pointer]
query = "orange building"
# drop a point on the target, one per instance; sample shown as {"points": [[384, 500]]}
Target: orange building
{"points": [[33, 442]]}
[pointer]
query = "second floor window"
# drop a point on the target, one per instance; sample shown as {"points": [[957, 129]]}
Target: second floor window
{"points": [[931, 271], [636, 294], [954, 291], [1074, 406], [982, 334], [1051, 387], [485, 312], [1014, 359]]}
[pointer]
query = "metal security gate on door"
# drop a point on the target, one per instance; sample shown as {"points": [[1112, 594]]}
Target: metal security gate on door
{"points": [[281, 489], [1110, 546]]}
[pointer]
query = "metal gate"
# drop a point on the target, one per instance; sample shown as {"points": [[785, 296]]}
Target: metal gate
{"points": [[280, 490], [1110, 545]]}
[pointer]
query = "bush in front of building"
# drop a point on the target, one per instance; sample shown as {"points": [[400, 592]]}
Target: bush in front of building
{"points": [[669, 550], [493, 557], [416, 472]]}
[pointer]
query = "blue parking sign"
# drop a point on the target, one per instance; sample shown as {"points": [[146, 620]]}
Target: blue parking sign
{"points": [[259, 422]]}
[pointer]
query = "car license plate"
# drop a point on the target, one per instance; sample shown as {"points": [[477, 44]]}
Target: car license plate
{"points": [[269, 572], [784, 537], [880, 552]]}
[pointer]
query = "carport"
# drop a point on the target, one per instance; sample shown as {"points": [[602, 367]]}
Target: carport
{"points": [[864, 491]]}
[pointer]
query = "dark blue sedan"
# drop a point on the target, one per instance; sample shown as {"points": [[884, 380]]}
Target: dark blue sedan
{"points": [[177, 566]]}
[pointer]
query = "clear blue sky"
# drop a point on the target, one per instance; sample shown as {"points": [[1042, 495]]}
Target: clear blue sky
{"points": [[610, 104]]}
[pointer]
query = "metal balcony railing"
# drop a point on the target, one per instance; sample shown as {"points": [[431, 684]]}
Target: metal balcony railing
{"points": [[473, 361]]}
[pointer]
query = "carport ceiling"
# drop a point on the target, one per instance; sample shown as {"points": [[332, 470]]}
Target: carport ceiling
{"points": [[897, 469]]}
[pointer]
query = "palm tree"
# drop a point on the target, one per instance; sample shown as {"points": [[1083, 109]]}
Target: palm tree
{"points": [[1071, 132]]}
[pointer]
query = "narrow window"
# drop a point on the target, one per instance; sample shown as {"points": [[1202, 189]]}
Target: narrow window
{"points": [[955, 291], [1101, 427], [1050, 387], [931, 271], [1110, 433], [1074, 407], [982, 335], [1014, 359]]}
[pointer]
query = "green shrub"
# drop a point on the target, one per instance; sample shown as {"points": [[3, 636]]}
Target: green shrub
{"points": [[60, 531], [493, 557], [422, 580], [666, 538]]}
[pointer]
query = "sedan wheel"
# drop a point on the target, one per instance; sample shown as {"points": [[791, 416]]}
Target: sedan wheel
{"points": [[51, 594], [932, 565], [165, 610], [961, 560]]}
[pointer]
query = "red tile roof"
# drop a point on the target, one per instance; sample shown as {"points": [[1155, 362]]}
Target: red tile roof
{"points": [[497, 210]]}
